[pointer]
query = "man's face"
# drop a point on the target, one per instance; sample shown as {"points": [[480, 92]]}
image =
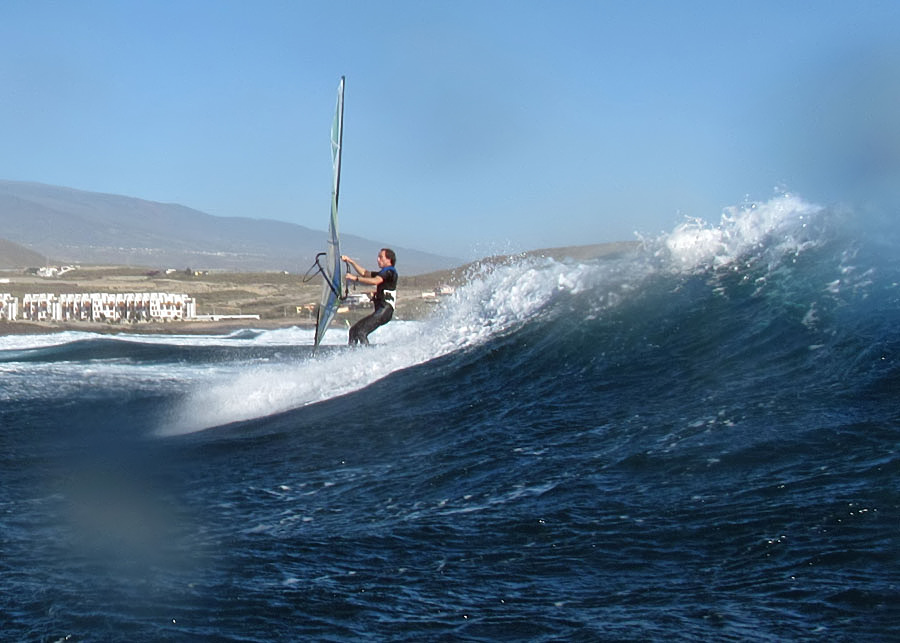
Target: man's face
{"points": [[383, 260]]}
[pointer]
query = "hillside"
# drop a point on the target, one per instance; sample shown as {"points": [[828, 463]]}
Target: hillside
{"points": [[12, 255], [565, 253], [75, 226]]}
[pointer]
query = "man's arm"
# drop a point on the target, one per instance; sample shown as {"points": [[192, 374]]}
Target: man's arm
{"points": [[372, 281], [359, 269], [363, 276]]}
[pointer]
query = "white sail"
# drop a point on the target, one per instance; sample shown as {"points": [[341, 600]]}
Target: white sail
{"points": [[334, 278]]}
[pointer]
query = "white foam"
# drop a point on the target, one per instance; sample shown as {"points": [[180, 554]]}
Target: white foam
{"points": [[494, 300], [257, 390], [41, 340], [778, 225]]}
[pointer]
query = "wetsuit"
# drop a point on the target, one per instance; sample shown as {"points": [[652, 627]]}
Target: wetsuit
{"points": [[384, 301]]}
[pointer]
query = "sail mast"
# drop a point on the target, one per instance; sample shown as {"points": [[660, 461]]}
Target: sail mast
{"points": [[337, 141], [332, 273]]}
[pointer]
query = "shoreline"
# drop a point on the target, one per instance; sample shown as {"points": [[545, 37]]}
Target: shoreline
{"points": [[223, 327], [270, 295]]}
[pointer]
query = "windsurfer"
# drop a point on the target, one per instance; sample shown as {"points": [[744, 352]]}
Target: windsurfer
{"points": [[385, 298]]}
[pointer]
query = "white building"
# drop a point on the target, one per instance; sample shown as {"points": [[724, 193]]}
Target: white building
{"points": [[55, 271], [9, 307], [40, 307], [108, 307], [432, 296]]}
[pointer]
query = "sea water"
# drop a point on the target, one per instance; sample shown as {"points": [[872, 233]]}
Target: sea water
{"points": [[692, 440]]}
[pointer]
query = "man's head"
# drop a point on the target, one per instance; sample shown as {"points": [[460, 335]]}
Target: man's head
{"points": [[386, 257]]}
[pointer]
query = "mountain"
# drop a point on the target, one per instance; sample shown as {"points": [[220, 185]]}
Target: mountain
{"points": [[75, 226], [12, 255]]}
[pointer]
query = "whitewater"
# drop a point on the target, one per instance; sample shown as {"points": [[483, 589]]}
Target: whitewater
{"points": [[693, 439]]}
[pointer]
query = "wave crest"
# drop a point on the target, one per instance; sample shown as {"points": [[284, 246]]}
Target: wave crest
{"points": [[777, 227], [499, 298]]}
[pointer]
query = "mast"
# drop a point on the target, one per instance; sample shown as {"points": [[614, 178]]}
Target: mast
{"points": [[333, 275], [337, 142]]}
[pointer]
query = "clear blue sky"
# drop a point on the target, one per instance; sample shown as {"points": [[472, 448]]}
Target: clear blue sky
{"points": [[471, 126]]}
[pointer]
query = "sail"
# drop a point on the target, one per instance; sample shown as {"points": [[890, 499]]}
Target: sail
{"points": [[332, 272]]}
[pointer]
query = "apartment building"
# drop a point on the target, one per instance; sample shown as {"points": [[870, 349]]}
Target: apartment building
{"points": [[103, 307]]}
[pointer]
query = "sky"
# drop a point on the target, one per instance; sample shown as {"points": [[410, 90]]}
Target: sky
{"points": [[471, 127]]}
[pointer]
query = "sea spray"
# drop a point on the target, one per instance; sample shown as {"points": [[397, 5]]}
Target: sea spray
{"points": [[772, 228], [258, 390], [496, 299]]}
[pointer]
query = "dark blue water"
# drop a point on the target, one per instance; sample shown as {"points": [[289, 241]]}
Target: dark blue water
{"points": [[697, 440]]}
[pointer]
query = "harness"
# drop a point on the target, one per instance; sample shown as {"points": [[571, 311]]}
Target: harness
{"points": [[389, 297]]}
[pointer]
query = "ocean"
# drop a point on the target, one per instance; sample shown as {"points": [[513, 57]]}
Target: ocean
{"points": [[695, 440]]}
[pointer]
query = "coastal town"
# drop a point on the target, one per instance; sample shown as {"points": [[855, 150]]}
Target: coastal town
{"points": [[206, 298], [98, 307]]}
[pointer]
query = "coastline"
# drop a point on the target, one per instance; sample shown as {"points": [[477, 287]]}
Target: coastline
{"points": [[281, 300], [223, 327]]}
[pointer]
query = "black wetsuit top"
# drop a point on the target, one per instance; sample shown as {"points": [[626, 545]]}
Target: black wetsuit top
{"points": [[386, 291]]}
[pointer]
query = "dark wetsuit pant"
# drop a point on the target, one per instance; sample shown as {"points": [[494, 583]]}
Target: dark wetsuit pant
{"points": [[359, 332]]}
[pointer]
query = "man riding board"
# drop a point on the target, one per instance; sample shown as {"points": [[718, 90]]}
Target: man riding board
{"points": [[385, 282]]}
